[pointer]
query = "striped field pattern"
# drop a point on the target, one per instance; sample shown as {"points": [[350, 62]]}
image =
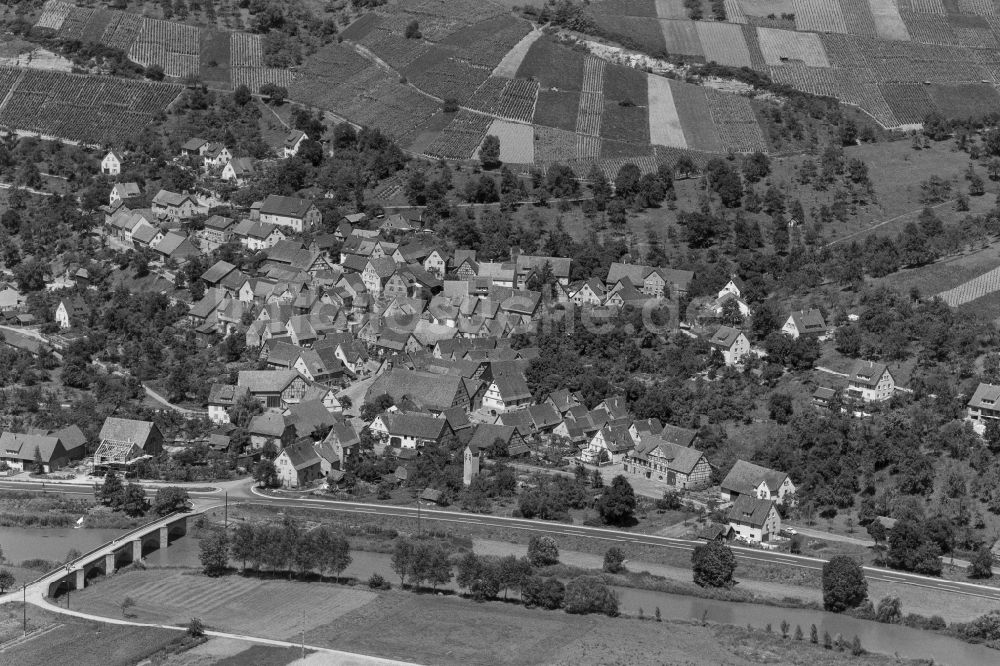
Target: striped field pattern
{"points": [[664, 123], [779, 45], [819, 16], [588, 118], [724, 43], [985, 284], [54, 13], [888, 22]]}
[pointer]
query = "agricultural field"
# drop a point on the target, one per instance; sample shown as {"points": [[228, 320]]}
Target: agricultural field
{"points": [[554, 145], [460, 139], [963, 100], [552, 65], [681, 36], [944, 274], [977, 287], [254, 77], [851, 86], [397, 51], [819, 16], [214, 58], [734, 12], [644, 8], [858, 18], [511, 62], [736, 121], [611, 150], [588, 118], [642, 34], [360, 27], [692, 107], [557, 109], [54, 13], [910, 102], [664, 123], [753, 47], [779, 46], [91, 110], [488, 95], [173, 46], [625, 123], [627, 85], [516, 141], [235, 604], [446, 78], [487, 42], [518, 100], [670, 9], [724, 43], [888, 23]]}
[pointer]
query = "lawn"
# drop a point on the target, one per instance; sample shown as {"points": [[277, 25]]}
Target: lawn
{"points": [[252, 606]]}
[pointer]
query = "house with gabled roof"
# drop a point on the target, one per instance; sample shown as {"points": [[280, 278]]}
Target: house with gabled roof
{"points": [[222, 398], [298, 465], [735, 286], [506, 393], [487, 436], [544, 417], [217, 231], [433, 392], [984, 405], [651, 280], [71, 312], [239, 170], [528, 265], [216, 155], [732, 343], [754, 520], [293, 141], [126, 441], [176, 246], [294, 213], [746, 478], [270, 427], [194, 146], [608, 445], [870, 382], [274, 389], [18, 451], [255, 235], [673, 466], [804, 322], [174, 206], [111, 164], [590, 292], [415, 430], [123, 192], [563, 400]]}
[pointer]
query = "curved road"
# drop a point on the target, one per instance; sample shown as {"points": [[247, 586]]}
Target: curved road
{"points": [[243, 492]]}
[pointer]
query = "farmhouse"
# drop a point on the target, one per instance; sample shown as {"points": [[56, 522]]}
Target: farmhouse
{"points": [[126, 441], [256, 235], [297, 214], [123, 192], [216, 155], [433, 392], [111, 165], [10, 298], [870, 382], [746, 478], [489, 437], [675, 467], [19, 451], [651, 280], [218, 231], [506, 393], [175, 206], [414, 430], [222, 397], [732, 343], [274, 389], [270, 427], [804, 322], [754, 520], [298, 465], [194, 147], [528, 265]]}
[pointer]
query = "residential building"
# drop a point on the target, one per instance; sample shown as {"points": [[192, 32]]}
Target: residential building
{"points": [[754, 520], [528, 265], [19, 450], [239, 170], [415, 430], [111, 165], [72, 312], [218, 231], [488, 436], [176, 207], [270, 427], [983, 406], [216, 155], [650, 280], [870, 382], [123, 192], [274, 389], [610, 444], [804, 322], [675, 467], [10, 298], [432, 392], [292, 143], [732, 343], [344, 441], [746, 478], [126, 441], [298, 465], [221, 398], [194, 147], [506, 393], [292, 212]]}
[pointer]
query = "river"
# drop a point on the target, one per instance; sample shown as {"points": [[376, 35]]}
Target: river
{"points": [[20, 544]]}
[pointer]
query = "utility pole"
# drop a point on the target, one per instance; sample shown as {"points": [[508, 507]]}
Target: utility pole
{"points": [[419, 531], [24, 607], [227, 511]]}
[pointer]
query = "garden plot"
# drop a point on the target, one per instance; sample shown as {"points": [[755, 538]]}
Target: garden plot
{"points": [[682, 37], [671, 9], [888, 22], [517, 141], [511, 62], [782, 46], [664, 123], [819, 16], [724, 43], [53, 14]]}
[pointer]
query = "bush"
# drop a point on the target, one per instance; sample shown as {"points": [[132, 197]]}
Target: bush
{"points": [[889, 611], [589, 594], [377, 582], [547, 593], [614, 560], [196, 628], [543, 551], [983, 628], [713, 565]]}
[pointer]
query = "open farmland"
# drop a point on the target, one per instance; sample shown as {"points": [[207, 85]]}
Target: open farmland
{"points": [[627, 85], [487, 42], [91, 110], [819, 16], [625, 123], [642, 34], [516, 141], [461, 137], [397, 51], [552, 65], [858, 18], [734, 12], [977, 287], [850, 86], [888, 23], [736, 122], [554, 145], [910, 102], [232, 603], [779, 46], [724, 43], [446, 78], [964, 100], [682, 37], [215, 54], [645, 8], [670, 9], [512, 60], [664, 123], [557, 109], [700, 132]]}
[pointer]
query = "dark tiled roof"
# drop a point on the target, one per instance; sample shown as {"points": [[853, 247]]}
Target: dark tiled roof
{"points": [[745, 476], [750, 510]]}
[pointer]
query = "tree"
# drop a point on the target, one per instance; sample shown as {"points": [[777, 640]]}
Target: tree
{"points": [[547, 593], [242, 95], [243, 545], [275, 94], [38, 465], [889, 611], [412, 30], [127, 602], [468, 570], [134, 502], [543, 551], [844, 584], [196, 628], [911, 548], [982, 564], [614, 560], [266, 474], [111, 491], [6, 580], [403, 558], [589, 594], [780, 406], [489, 152], [169, 500], [154, 73], [617, 505], [214, 552], [713, 565], [627, 181]]}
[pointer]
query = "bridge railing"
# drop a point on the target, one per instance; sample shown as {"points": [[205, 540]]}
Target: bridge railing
{"points": [[124, 537]]}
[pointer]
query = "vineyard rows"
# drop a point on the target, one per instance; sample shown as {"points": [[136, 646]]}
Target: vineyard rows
{"points": [[449, 78], [518, 100], [122, 32], [254, 77], [977, 7], [850, 86], [488, 95], [588, 118], [975, 288], [554, 145], [924, 6], [393, 48], [53, 14], [93, 110], [858, 18], [929, 28], [588, 147], [486, 43], [734, 12], [888, 23], [173, 46], [737, 124], [724, 43], [462, 136], [819, 16], [910, 102], [780, 45], [74, 23], [246, 50]]}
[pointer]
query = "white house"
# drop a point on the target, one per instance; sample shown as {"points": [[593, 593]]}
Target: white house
{"points": [[293, 212], [238, 170], [71, 311], [298, 465], [506, 393], [804, 322], [870, 382], [984, 406], [292, 143], [747, 479], [111, 165], [177, 206], [221, 398], [735, 286], [732, 343], [436, 263], [216, 155], [123, 192], [754, 520]]}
